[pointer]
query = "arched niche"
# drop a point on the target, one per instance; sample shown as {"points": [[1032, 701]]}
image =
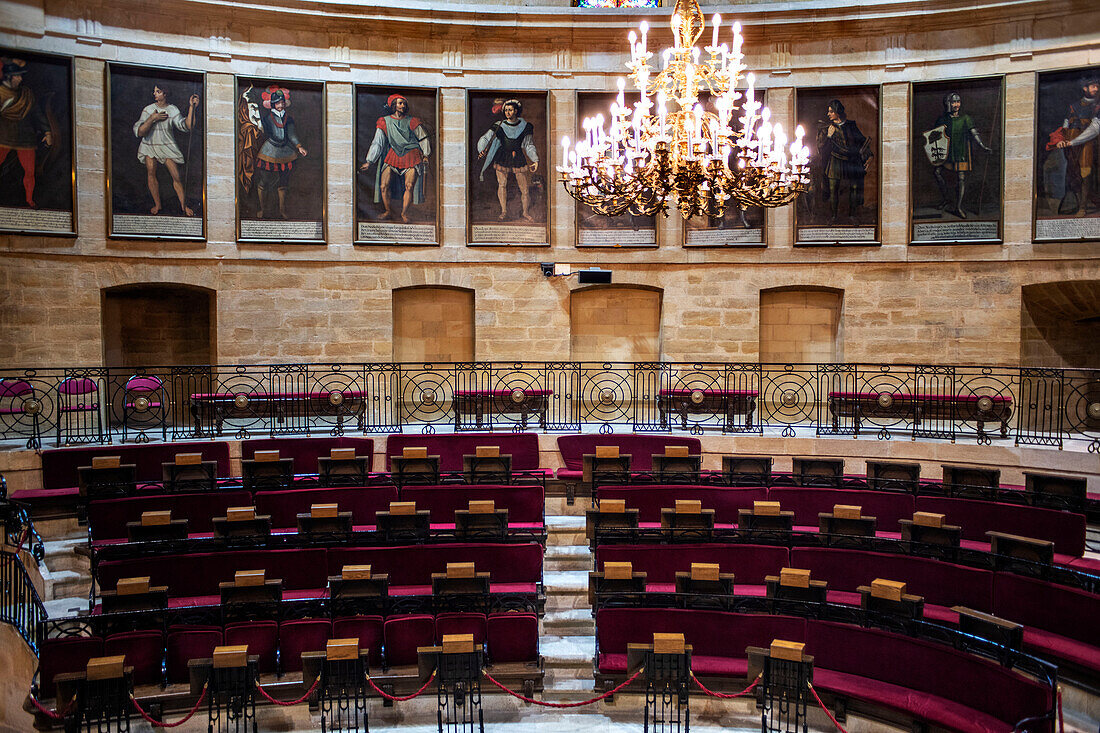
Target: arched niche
{"points": [[801, 324], [615, 323], [1060, 324], [159, 324], [433, 324]]}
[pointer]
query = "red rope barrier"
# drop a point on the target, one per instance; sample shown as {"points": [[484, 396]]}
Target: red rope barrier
{"points": [[51, 714], [533, 701], [838, 725], [401, 698], [289, 703], [161, 724], [725, 696]]}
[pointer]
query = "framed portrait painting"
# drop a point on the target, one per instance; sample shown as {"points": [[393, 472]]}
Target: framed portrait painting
{"points": [[156, 152], [396, 179], [1067, 155], [842, 133], [37, 175], [595, 229], [956, 161], [280, 161], [508, 168]]}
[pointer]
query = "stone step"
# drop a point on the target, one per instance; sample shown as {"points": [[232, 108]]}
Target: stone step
{"points": [[568, 557], [569, 622], [565, 582], [564, 530], [66, 584], [567, 651], [61, 528], [63, 555], [65, 607]]}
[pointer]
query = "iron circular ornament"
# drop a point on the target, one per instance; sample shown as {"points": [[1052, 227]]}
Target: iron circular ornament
{"points": [[141, 404], [885, 400], [985, 404], [32, 407], [518, 395], [788, 398], [240, 400], [696, 396], [607, 396], [336, 398], [1094, 410], [427, 396]]}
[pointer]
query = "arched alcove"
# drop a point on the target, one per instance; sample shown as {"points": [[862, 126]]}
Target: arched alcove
{"points": [[433, 324], [159, 324], [801, 324], [615, 323], [1060, 324]]}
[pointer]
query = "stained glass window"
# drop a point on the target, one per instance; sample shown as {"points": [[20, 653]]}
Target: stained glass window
{"points": [[617, 3]]}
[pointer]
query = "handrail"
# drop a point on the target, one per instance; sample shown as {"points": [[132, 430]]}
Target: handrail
{"points": [[1030, 406], [17, 526], [20, 604]]}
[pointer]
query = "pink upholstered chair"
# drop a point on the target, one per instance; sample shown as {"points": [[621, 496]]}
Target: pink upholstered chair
{"points": [[144, 407], [78, 416], [20, 409]]}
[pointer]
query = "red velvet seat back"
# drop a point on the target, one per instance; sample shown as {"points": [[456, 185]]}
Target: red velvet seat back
{"points": [[58, 656], [185, 644], [451, 447], [403, 634], [460, 623], [710, 633], [650, 500], [107, 518], [301, 635], [199, 574], [362, 501], [926, 666], [1066, 530], [808, 503], [513, 637], [144, 651], [59, 465], [524, 503], [641, 448], [262, 638], [1047, 606], [367, 629], [505, 562], [941, 583], [749, 563], [306, 451]]}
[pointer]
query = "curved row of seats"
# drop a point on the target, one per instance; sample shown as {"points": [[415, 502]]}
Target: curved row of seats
{"points": [[1054, 616], [927, 681], [1065, 529], [192, 579], [107, 518], [162, 657]]}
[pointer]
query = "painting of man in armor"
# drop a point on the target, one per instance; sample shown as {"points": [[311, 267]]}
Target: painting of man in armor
{"points": [[842, 206], [36, 181], [956, 163], [280, 181], [395, 179], [1067, 158]]}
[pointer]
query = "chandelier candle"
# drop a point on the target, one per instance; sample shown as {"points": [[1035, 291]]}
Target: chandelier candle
{"points": [[641, 159]]}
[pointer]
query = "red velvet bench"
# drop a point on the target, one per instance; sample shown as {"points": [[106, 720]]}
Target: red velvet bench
{"points": [[519, 401], [522, 447], [726, 402], [918, 407], [640, 448], [221, 406], [306, 451]]}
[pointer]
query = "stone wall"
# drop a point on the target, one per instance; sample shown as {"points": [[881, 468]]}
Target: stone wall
{"points": [[334, 302]]}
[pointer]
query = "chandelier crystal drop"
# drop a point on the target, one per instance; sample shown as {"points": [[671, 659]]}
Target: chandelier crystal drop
{"points": [[662, 141]]}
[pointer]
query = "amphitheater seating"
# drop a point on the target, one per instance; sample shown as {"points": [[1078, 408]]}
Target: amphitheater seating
{"points": [[512, 568], [363, 503], [523, 447], [185, 643], [649, 500], [935, 684], [640, 448], [525, 503], [806, 504], [107, 518], [750, 563], [1066, 530], [306, 451]]}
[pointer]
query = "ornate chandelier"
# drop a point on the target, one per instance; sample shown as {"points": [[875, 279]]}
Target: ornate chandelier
{"points": [[642, 157]]}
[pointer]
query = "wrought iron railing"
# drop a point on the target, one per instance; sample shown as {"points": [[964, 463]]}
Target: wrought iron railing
{"points": [[20, 604], [16, 525], [1030, 406]]}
